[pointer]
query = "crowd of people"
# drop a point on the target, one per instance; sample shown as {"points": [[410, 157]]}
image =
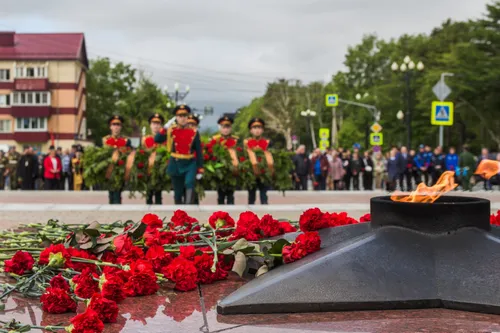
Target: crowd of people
{"points": [[398, 169], [30, 170]]}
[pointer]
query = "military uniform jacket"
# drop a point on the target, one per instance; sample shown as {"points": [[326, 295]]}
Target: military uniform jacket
{"points": [[13, 161]]}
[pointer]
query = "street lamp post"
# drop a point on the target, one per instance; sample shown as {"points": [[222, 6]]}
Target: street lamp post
{"points": [[308, 114], [407, 68], [177, 95]]}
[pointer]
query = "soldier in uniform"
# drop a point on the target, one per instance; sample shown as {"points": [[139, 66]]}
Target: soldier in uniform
{"points": [[229, 141], [148, 141], [186, 158], [3, 169], [252, 144], [193, 122], [14, 158], [115, 125]]}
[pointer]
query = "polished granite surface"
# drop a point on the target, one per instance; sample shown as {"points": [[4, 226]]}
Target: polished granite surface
{"points": [[195, 312]]}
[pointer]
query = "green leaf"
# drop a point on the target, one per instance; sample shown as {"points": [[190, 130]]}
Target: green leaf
{"points": [[210, 168], [240, 244], [278, 246], [240, 264], [262, 270]]}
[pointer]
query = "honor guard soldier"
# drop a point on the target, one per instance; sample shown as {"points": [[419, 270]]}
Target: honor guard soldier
{"points": [[255, 143], [156, 122], [193, 121], [186, 158], [115, 125], [3, 169], [13, 157], [229, 141]]}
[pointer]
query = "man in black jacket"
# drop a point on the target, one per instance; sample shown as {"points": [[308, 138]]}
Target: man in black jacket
{"points": [[302, 165]]}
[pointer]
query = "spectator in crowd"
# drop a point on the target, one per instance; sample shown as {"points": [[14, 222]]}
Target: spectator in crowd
{"points": [[319, 170], [367, 171], [39, 180], [301, 164], [356, 166], [27, 169], [52, 170], [467, 165], [422, 161], [67, 174], [346, 162], [77, 171], [451, 161], [485, 155], [336, 171], [3, 169], [379, 168], [406, 170], [393, 170], [438, 164]]}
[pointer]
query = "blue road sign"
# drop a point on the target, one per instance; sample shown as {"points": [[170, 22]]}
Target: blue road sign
{"points": [[442, 113]]}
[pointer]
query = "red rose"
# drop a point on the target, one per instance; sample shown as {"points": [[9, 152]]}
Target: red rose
{"points": [[121, 162], [287, 227], [242, 159], [181, 218], [122, 244], [157, 256], [304, 244], [269, 226], [106, 309], [59, 282], [311, 220], [187, 252], [56, 300], [87, 322], [204, 265], [79, 266], [20, 263], [86, 286], [365, 218], [221, 220], [112, 288], [53, 249], [140, 165], [153, 221], [183, 273]]}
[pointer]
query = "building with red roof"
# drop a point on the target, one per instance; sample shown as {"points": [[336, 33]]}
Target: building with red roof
{"points": [[42, 89]]}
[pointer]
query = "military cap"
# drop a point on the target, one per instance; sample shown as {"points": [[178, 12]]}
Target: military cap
{"points": [[116, 119], [156, 118], [182, 109], [225, 120], [193, 119], [256, 122]]}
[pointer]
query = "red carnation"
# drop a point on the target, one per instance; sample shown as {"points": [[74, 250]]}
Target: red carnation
{"points": [[153, 221], [239, 149], [312, 219], [158, 257], [204, 265], [111, 142], [183, 273], [86, 286], [56, 300], [121, 142], [206, 157], [142, 281], [269, 226], [105, 308], [365, 218], [122, 244], [495, 219], [80, 266], [242, 159], [112, 288], [140, 165], [20, 263], [221, 220], [304, 244], [149, 142], [287, 227], [214, 158], [59, 282], [54, 250], [141, 151], [248, 220], [87, 322], [187, 252], [135, 253], [159, 237], [140, 175], [230, 143], [181, 218], [121, 162], [338, 219]]}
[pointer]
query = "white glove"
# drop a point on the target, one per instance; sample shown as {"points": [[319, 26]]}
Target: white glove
{"points": [[368, 168], [199, 176], [169, 123]]}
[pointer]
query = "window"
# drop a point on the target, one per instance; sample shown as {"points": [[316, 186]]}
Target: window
{"points": [[31, 124], [5, 126], [4, 100], [31, 98], [31, 72], [4, 74]]}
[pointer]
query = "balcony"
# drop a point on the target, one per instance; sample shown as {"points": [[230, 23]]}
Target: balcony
{"points": [[31, 136], [31, 84], [30, 111]]}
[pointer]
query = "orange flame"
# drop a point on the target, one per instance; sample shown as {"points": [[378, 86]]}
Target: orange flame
{"points": [[425, 194], [488, 169]]}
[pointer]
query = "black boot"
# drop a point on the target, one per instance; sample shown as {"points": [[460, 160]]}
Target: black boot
{"points": [[110, 197], [158, 198], [189, 196], [230, 197], [149, 198]]}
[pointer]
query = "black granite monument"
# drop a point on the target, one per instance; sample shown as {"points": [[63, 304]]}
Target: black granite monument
{"points": [[411, 255]]}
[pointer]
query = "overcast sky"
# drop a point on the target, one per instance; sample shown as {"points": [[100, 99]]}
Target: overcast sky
{"points": [[227, 50]]}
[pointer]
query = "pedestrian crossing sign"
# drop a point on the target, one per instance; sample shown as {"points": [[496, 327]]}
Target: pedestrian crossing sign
{"points": [[442, 113], [376, 139], [324, 144], [332, 100]]}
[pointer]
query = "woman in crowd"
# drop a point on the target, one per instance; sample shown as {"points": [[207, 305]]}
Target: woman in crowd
{"points": [[379, 169], [392, 170], [336, 171]]}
